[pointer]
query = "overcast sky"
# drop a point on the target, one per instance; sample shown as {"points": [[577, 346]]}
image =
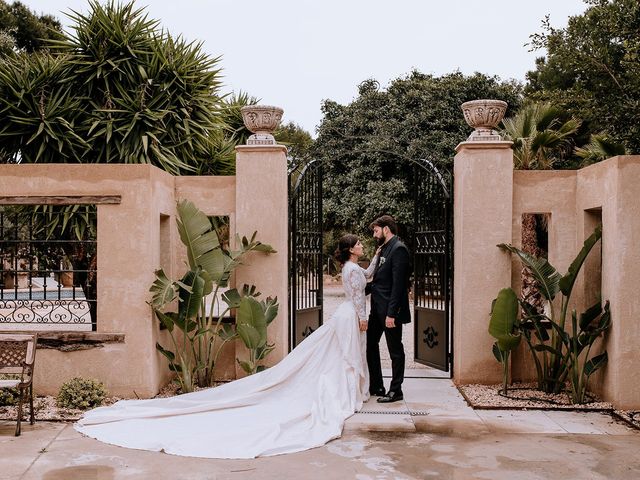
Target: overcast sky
{"points": [[295, 53]]}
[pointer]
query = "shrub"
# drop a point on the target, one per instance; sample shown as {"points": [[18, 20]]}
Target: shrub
{"points": [[81, 393], [9, 396]]}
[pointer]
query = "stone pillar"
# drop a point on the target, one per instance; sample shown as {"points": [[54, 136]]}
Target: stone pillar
{"points": [[262, 206], [483, 196]]}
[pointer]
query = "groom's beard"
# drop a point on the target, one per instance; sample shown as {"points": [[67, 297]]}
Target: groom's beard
{"points": [[381, 241]]}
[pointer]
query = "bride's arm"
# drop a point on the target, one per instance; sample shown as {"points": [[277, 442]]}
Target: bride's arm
{"points": [[355, 283], [368, 273]]}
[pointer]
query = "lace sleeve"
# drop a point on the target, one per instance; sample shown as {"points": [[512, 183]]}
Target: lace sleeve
{"points": [[354, 284], [368, 273]]}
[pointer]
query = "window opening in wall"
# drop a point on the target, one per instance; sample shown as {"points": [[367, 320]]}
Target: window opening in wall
{"points": [[593, 263], [535, 241], [221, 225], [48, 267]]}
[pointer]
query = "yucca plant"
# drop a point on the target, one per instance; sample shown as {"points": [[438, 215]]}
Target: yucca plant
{"points": [[197, 336], [565, 356], [117, 89]]}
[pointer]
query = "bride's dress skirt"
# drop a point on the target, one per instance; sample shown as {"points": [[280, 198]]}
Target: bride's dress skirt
{"points": [[300, 403]]}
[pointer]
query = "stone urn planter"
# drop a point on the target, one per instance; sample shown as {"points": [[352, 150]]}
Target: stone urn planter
{"points": [[484, 116], [262, 120]]}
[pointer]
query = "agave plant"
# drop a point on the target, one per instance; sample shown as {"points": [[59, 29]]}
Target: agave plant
{"points": [[565, 356], [197, 334]]}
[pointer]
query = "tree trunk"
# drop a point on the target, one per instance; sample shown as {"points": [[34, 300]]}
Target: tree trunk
{"points": [[530, 291]]}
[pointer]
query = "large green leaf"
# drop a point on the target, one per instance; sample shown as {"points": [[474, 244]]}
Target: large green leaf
{"points": [[270, 307], [566, 282], [249, 335], [589, 315], [595, 363], [196, 232], [163, 290], [545, 274], [191, 293], [250, 313], [504, 316]]}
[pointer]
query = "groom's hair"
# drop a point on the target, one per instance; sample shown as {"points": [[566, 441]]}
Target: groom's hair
{"points": [[385, 221]]}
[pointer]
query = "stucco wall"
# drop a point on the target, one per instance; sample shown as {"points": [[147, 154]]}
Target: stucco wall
{"points": [[135, 238], [577, 201]]}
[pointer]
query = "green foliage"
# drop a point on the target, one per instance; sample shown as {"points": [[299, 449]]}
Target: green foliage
{"points": [[118, 89], [565, 355], [22, 30], [197, 333], [253, 318], [592, 69], [367, 145], [8, 396], [503, 327], [542, 135], [600, 148], [298, 142], [81, 393]]}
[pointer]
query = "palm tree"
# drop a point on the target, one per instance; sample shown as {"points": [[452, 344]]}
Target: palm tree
{"points": [[541, 135], [599, 148]]}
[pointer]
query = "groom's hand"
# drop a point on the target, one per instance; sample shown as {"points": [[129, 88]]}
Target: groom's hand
{"points": [[363, 325], [390, 322]]}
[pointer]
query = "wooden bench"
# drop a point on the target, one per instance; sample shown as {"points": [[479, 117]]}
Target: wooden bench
{"points": [[17, 357]]}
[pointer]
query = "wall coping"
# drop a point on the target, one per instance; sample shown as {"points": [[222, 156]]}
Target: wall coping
{"points": [[475, 145]]}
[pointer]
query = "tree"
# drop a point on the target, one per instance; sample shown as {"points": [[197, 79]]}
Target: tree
{"points": [[592, 69], [23, 30], [298, 142], [117, 90], [367, 145], [542, 135]]}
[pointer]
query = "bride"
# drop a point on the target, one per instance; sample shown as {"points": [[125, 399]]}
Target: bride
{"points": [[300, 403]]}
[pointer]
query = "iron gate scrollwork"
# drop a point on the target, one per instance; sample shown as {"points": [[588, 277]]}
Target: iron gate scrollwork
{"points": [[431, 239], [305, 250], [433, 266]]}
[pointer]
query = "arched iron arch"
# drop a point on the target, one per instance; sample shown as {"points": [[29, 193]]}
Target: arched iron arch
{"points": [[431, 245]]}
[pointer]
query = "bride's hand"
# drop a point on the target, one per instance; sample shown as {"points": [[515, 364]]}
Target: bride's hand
{"points": [[378, 250], [363, 325]]}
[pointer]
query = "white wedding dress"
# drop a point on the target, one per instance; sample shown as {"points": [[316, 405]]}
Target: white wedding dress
{"points": [[300, 403]]}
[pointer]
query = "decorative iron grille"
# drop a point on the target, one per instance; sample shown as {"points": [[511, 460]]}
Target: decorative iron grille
{"points": [[305, 243], [48, 258]]}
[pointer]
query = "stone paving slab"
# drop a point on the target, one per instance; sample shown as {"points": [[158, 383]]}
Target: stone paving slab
{"points": [[452, 441]]}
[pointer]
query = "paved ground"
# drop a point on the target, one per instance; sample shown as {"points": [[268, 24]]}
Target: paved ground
{"points": [[433, 434]]}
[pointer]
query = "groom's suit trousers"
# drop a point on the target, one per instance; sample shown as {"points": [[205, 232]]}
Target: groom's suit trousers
{"points": [[393, 337]]}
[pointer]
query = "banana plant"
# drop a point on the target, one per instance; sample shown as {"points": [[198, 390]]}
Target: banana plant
{"points": [[252, 319], [197, 335], [560, 351], [503, 326]]}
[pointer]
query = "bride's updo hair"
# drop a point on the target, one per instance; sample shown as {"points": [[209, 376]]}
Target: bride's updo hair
{"points": [[346, 243]]}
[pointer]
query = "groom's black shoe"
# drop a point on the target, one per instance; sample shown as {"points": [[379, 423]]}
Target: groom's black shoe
{"points": [[380, 392], [391, 397]]}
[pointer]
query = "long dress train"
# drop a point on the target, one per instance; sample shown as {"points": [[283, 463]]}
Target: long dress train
{"points": [[300, 403]]}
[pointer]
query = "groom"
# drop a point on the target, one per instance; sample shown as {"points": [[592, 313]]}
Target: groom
{"points": [[389, 308]]}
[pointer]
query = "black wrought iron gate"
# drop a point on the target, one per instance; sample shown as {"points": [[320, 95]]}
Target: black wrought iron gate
{"points": [[305, 250], [432, 266], [431, 242]]}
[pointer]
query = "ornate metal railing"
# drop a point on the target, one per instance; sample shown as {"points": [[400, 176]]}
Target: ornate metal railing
{"points": [[48, 257]]}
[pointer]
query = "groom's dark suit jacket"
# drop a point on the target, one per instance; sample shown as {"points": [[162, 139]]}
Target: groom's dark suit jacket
{"points": [[390, 285]]}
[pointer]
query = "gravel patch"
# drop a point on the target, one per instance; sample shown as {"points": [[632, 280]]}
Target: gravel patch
{"points": [[632, 417], [524, 396], [46, 409]]}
